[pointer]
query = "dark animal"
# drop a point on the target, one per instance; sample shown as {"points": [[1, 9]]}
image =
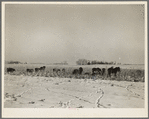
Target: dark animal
{"points": [[56, 70], [42, 68], [93, 70], [96, 71], [29, 70], [80, 70], [10, 70], [113, 71], [37, 69], [135, 80], [75, 71], [110, 71], [103, 71], [63, 70]]}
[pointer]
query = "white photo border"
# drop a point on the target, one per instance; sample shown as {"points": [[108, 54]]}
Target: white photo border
{"points": [[81, 113]]}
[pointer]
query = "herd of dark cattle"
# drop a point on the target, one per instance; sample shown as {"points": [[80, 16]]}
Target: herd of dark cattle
{"points": [[95, 71]]}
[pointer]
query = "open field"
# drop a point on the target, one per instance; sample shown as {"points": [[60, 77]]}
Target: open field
{"points": [[43, 90], [128, 72], [142, 67]]}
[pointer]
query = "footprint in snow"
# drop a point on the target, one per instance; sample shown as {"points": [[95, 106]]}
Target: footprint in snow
{"points": [[56, 83], [42, 100], [31, 102]]}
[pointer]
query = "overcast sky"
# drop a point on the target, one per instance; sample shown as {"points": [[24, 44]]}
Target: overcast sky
{"points": [[56, 33]]}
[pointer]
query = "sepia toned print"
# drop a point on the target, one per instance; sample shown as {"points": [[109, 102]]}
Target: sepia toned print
{"points": [[75, 57]]}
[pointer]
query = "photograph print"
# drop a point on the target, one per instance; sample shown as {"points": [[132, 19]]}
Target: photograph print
{"points": [[72, 55]]}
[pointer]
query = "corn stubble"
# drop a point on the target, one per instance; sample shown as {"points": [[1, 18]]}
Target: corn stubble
{"points": [[136, 75]]}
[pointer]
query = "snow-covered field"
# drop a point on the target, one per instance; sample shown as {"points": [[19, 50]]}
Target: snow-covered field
{"points": [[50, 92]]}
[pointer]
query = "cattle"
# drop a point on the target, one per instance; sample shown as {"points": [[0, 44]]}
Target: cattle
{"points": [[118, 69], [29, 70], [93, 70], [103, 71], [110, 71], [10, 70], [63, 70], [113, 71], [42, 68], [96, 71], [75, 71], [136, 80], [56, 70], [80, 70], [37, 69]]}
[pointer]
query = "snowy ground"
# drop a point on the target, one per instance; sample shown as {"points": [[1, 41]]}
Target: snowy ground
{"points": [[48, 92]]}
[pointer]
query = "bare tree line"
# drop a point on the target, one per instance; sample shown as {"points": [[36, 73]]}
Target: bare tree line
{"points": [[92, 62]]}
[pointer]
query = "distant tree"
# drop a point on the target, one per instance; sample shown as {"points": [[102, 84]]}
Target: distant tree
{"points": [[64, 63], [14, 62], [94, 62], [82, 62], [88, 63], [78, 62]]}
